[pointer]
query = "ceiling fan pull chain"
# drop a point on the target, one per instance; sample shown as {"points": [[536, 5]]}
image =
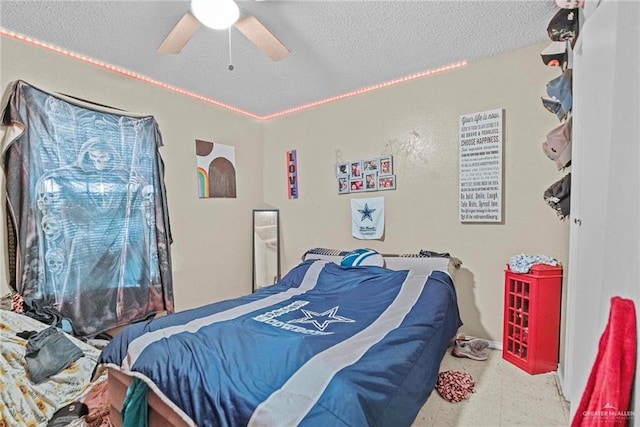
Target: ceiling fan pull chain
{"points": [[230, 63]]}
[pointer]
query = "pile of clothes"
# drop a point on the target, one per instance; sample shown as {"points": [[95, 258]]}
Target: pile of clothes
{"points": [[454, 386]]}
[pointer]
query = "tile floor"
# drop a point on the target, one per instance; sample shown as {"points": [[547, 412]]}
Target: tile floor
{"points": [[504, 396]]}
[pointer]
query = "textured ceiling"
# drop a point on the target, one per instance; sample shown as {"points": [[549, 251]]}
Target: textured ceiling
{"points": [[336, 46]]}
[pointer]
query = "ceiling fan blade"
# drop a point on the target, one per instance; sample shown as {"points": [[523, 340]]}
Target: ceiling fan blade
{"points": [[180, 34], [260, 36]]}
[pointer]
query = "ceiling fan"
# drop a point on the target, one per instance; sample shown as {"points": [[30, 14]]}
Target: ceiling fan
{"points": [[221, 14]]}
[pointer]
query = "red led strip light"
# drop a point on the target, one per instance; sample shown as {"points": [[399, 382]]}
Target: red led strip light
{"points": [[194, 95], [365, 90]]}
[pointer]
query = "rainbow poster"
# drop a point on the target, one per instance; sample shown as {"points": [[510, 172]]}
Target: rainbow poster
{"points": [[216, 170]]}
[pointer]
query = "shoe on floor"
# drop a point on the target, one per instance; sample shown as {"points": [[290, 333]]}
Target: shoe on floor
{"points": [[477, 343], [464, 349]]}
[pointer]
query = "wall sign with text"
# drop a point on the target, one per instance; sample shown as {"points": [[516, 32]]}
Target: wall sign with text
{"points": [[481, 142], [292, 174]]}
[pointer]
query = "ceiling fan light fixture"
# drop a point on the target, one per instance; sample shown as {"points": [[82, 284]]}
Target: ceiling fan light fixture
{"points": [[216, 14]]}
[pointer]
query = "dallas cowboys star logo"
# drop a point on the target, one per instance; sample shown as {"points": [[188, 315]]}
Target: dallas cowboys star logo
{"points": [[321, 320], [366, 212]]}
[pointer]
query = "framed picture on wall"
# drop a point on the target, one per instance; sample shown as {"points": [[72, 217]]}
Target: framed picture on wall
{"points": [[370, 181], [386, 165], [370, 174], [356, 185], [355, 169], [386, 182], [342, 169], [371, 165], [343, 184]]}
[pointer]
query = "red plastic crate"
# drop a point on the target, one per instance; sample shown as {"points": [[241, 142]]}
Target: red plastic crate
{"points": [[531, 331]]}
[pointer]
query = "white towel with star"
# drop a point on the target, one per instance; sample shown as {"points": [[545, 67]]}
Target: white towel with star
{"points": [[367, 217]]}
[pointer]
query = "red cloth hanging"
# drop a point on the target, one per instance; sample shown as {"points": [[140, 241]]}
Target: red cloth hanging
{"points": [[607, 395]]}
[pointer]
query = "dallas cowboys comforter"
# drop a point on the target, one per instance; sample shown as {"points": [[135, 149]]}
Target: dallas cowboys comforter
{"points": [[325, 346]]}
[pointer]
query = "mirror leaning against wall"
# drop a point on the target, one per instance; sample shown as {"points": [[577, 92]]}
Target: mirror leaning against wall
{"points": [[266, 247]]}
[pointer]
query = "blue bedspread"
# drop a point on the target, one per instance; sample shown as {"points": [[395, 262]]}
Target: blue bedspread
{"points": [[325, 346]]}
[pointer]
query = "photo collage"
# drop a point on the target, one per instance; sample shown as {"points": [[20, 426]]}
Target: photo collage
{"points": [[375, 174]]}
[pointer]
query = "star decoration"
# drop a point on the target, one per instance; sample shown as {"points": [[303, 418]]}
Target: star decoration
{"points": [[366, 212], [321, 320]]}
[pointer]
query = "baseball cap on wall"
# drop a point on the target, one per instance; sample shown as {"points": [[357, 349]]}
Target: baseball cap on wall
{"points": [[558, 196], [561, 98], [555, 55], [557, 146], [564, 25]]}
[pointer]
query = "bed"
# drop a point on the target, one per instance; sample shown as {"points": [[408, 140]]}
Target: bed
{"points": [[326, 345]]}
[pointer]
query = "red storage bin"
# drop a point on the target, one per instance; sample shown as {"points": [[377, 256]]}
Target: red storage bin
{"points": [[531, 332]]}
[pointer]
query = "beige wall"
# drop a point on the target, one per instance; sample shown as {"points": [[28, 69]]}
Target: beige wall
{"points": [[423, 212], [211, 237]]}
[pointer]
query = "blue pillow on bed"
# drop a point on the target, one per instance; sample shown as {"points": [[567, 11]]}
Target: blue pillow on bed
{"points": [[362, 257]]}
